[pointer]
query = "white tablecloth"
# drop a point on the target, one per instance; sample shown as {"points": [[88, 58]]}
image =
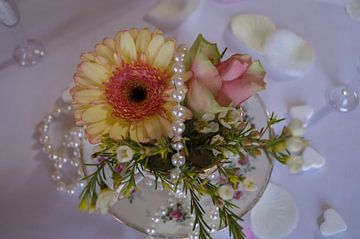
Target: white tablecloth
{"points": [[30, 207]]}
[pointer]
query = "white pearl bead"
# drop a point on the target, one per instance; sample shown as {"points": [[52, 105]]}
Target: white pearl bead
{"points": [[47, 148], [80, 172], [150, 231], [70, 189], [178, 81], [178, 127], [149, 182], [178, 95], [57, 112], [53, 156], [77, 153], [56, 175], [48, 119], [63, 159], [43, 128], [67, 109], [61, 186], [44, 139], [179, 57], [179, 112], [177, 146], [75, 162], [80, 184], [178, 68], [178, 160], [175, 174], [181, 48], [58, 164]]}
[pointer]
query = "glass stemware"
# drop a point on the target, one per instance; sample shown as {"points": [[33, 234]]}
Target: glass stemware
{"points": [[28, 52], [344, 98]]}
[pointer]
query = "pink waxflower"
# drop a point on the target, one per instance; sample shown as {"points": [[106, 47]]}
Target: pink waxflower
{"points": [[243, 160], [237, 195], [176, 214], [215, 85]]}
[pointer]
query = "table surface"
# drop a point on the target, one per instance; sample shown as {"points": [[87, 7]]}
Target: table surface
{"points": [[30, 206]]}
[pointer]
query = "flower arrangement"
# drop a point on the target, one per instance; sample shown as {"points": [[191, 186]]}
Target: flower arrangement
{"points": [[152, 108]]}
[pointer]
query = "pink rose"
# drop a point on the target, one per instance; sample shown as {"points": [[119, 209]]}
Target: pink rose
{"points": [[214, 87]]}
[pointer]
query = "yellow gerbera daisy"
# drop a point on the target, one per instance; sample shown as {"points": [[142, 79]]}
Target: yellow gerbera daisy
{"points": [[123, 87]]}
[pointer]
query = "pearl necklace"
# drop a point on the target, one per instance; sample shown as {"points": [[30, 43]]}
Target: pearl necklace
{"points": [[69, 151]]}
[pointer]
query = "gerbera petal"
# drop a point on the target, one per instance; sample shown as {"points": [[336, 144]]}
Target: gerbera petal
{"points": [[134, 33], [119, 130], [125, 45], [165, 127], [141, 133], [153, 128], [104, 51], [94, 138], [87, 57], [153, 47], [143, 39], [133, 132], [89, 95], [86, 82], [165, 55], [96, 113], [101, 127], [110, 43], [94, 72]]}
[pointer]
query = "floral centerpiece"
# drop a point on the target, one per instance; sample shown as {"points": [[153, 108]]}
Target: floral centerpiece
{"points": [[156, 109]]}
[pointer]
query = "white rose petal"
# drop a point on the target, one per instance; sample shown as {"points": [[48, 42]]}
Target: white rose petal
{"points": [[106, 198], [124, 154], [226, 192]]}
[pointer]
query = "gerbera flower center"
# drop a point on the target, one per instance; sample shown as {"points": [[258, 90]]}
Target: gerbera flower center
{"points": [[138, 94], [136, 91]]}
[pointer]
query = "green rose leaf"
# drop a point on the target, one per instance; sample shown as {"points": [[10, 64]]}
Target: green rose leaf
{"points": [[202, 45]]}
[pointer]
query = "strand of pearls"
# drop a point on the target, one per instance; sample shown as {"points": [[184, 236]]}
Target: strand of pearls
{"points": [[178, 159], [179, 114], [69, 152], [178, 127]]}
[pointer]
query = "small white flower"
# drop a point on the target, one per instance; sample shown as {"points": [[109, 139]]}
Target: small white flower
{"points": [[106, 199], [124, 154], [208, 117], [296, 128], [231, 118], [295, 164], [294, 144], [217, 140], [249, 185], [206, 127], [226, 192]]}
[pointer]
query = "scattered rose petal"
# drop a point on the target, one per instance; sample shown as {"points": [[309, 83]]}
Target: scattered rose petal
{"points": [[302, 112], [252, 29], [275, 215], [173, 10], [312, 159], [289, 53], [353, 9]]}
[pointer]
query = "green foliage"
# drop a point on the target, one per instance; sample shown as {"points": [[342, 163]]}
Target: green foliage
{"points": [[202, 153]]}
